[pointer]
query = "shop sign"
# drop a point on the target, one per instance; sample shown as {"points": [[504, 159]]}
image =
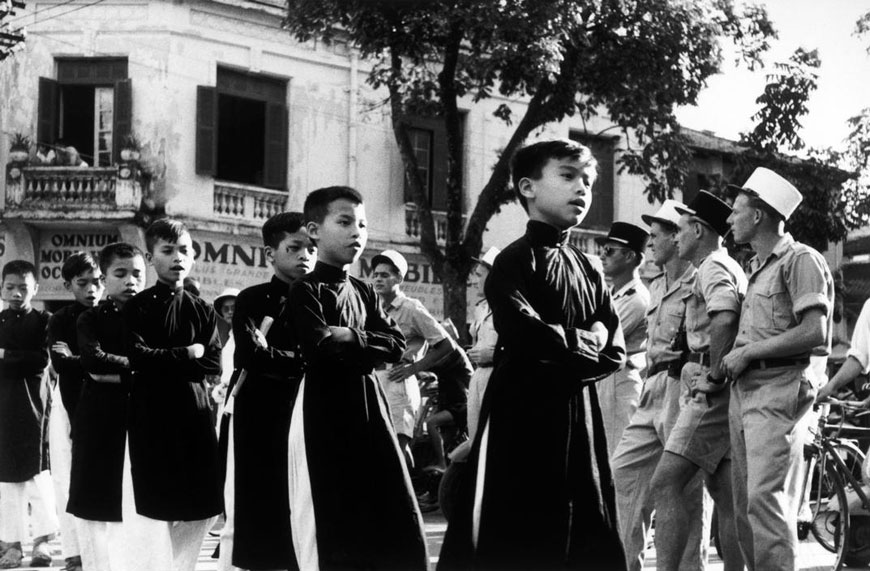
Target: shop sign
{"points": [[224, 261]]}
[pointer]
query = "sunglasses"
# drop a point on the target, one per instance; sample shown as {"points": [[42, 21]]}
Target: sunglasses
{"points": [[610, 250]]}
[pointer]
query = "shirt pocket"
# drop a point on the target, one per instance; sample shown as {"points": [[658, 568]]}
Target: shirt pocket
{"points": [[775, 304]]}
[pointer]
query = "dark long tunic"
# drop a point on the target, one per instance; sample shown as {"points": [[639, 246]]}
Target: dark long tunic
{"points": [[548, 498], [62, 327], [173, 446], [364, 507], [100, 422], [22, 371], [261, 424]]}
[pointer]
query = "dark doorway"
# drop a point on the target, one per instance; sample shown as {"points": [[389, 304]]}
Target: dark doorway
{"points": [[241, 139], [77, 119]]}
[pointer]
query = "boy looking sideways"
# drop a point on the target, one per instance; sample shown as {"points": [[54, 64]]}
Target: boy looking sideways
{"points": [[551, 506], [23, 363], [100, 422], [256, 496], [352, 504], [173, 345], [81, 277]]}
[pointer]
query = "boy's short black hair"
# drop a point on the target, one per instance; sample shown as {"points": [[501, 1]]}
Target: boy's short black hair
{"points": [[281, 224], [118, 250], [20, 268], [164, 229], [528, 161], [317, 202], [77, 264]]}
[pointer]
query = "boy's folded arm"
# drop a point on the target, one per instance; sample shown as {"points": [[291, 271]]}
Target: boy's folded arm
{"points": [[382, 340], [63, 364], [210, 362], [93, 358], [26, 359]]}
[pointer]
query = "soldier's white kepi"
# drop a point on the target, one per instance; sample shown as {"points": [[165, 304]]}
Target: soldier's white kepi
{"points": [[392, 258], [777, 192], [667, 213], [489, 257]]}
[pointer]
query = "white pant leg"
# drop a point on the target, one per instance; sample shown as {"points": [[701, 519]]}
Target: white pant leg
{"points": [[138, 543], [43, 510], [93, 537], [303, 527], [187, 539], [13, 512], [60, 449], [225, 561]]}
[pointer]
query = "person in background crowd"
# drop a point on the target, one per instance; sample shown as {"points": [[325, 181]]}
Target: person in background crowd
{"points": [[82, 278], [857, 360], [643, 441], [539, 493], [699, 439], [100, 422], [257, 534], [618, 394], [786, 319], [23, 366], [352, 503], [224, 306], [484, 340], [171, 491]]}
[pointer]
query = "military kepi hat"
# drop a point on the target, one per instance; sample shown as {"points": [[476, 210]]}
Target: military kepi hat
{"points": [[710, 210], [392, 258], [666, 215], [633, 237], [778, 193]]}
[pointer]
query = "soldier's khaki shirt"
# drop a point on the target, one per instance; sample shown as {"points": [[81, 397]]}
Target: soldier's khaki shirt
{"points": [[793, 279], [665, 314], [631, 302], [719, 286]]}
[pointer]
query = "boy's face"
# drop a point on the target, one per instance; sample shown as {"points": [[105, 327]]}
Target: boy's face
{"points": [[125, 277], [341, 237], [172, 260], [294, 257], [387, 279], [18, 290], [87, 287], [562, 195]]}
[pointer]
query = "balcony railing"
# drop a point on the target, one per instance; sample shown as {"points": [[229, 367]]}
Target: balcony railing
{"points": [[412, 223], [585, 240], [245, 202], [71, 188]]}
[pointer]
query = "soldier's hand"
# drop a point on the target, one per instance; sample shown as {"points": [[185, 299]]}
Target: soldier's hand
{"points": [[400, 372], [735, 362], [481, 355], [824, 393], [701, 384]]}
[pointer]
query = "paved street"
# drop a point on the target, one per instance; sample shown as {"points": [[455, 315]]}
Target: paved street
{"points": [[435, 526]]}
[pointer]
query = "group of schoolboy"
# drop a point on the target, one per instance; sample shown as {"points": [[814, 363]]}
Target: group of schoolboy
{"points": [[316, 457]]}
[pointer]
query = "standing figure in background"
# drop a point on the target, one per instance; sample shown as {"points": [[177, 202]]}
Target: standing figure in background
{"points": [[618, 394], [786, 320], [539, 493], [352, 504], [83, 279], [23, 368]]}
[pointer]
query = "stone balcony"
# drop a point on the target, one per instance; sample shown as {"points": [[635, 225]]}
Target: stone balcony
{"points": [[412, 223], [247, 203], [585, 240], [59, 192]]}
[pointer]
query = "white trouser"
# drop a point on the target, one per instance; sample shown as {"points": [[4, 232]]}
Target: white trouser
{"points": [[14, 498], [60, 450], [225, 561], [140, 543], [94, 544]]}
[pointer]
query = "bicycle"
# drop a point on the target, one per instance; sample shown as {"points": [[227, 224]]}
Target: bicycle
{"points": [[830, 489]]}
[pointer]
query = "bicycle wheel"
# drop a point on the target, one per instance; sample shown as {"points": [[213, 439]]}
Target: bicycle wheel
{"points": [[827, 510]]}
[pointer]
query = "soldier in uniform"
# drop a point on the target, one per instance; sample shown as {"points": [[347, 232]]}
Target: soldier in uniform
{"points": [[643, 441], [700, 438], [786, 319], [622, 255]]}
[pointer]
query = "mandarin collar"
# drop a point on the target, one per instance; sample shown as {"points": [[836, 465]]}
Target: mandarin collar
{"points": [[279, 287], [166, 290], [543, 234], [328, 273]]}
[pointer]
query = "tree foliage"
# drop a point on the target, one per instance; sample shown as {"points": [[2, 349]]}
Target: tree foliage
{"points": [[633, 61], [11, 34]]}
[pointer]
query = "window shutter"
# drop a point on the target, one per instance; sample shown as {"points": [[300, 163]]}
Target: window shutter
{"points": [[123, 116], [206, 130], [46, 132], [275, 168]]}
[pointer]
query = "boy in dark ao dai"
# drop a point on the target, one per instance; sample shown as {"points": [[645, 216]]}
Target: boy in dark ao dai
{"points": [[539, 493], [23, 366], [258, 507], [81, 277], [352, 504], [173, 344]]}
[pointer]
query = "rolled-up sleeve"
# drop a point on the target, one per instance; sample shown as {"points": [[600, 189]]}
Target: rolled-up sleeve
{"points": [[808, 284]]}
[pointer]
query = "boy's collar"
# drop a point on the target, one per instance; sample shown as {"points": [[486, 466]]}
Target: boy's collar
{"points": [[544, 234]]}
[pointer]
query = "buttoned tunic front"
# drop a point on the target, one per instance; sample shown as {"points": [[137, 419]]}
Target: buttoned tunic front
{"points": [[769, 405]]}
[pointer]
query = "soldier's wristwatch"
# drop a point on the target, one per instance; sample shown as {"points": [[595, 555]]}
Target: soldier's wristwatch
{"points": [[715, 381]]}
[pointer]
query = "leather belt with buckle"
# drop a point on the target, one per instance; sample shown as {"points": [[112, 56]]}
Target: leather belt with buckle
{"points": [[778, 362]]}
